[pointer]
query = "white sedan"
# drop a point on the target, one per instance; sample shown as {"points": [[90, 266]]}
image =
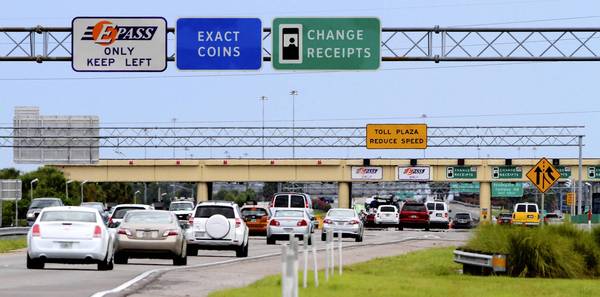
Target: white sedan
{"points": [[71, 235], [288, 222]]}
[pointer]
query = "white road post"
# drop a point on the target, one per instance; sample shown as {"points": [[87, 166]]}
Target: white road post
{"points": [[327, 238], [285, 291], [315, 267], [295, 266], [340, 263], [331, 244], [305, 272]]}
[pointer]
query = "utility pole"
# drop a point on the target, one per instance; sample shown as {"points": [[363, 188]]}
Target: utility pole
{"points": [[82, 184], [263, 99], [174, 120], [293, 93]]}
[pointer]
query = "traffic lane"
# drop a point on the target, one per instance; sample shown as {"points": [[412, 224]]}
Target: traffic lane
{"points": [[83, 280]]}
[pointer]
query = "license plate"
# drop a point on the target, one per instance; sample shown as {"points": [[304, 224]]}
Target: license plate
{"points": [[438, 215], [65, 245], [288, 229], [154, 234], [413, 217], [139, 234], [199, 234], [530, 216], [253, 220]]}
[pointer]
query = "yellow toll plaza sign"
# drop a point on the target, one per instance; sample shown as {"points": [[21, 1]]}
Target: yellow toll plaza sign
{"points": [[396, 136], [543, 175], [570, 198]]}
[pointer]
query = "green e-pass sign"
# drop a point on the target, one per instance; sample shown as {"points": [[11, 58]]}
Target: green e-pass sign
{"points": [[507, 172], [326, 43], [467, 172], [565, 172], [507, 189]]}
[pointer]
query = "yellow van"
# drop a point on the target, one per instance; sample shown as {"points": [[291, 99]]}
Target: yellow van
{"points": [[526, 214]]}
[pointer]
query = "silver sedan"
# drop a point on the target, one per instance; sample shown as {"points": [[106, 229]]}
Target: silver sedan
{"points": [[287, 222], [345, 221]]}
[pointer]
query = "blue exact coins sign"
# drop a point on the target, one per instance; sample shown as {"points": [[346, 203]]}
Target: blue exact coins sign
{"points": [[219, 43]]}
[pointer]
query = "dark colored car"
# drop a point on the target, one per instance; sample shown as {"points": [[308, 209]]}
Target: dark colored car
{"points": [[414, 215], [37, 205], [462, 220], [504, 218]]}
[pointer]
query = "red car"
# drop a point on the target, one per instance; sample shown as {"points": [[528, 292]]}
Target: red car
{"points": [[414, 215], [504, 218]]}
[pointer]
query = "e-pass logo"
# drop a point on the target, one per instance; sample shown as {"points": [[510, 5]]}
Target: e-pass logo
{"points": [[106, 33]]}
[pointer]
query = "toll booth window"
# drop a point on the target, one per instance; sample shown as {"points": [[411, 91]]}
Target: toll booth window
{"points": [[297, 201]]}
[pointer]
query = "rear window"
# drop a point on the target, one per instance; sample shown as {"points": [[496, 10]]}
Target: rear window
{"points": [[505, 215], [121, 211], [521, 208], [531, 208], [414, 207], [341, 213], [208, 211], [290, 213], [281, 201], [297, 201], [462, 216], [439, 206], [430, 206], [149, 217], [69, 216], [181, 206], [387, 209], [258, 212], [41, 203]]}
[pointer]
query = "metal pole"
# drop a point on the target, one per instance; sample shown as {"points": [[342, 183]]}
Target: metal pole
{"points": [[294, 93], [542, 209], [580, 174], [263, 99], [145, 192], [340, 252], [305, 272], [67, 191]]}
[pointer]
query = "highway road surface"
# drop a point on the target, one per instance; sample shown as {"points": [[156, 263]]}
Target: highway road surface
{"points": [[84, 280]]}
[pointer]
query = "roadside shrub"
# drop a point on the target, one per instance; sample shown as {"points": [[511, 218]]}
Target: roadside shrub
{"points": [[558, 251], [596, 236]]}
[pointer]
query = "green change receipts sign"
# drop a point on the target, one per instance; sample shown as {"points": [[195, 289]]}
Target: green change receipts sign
{"points": [[326, 43]]}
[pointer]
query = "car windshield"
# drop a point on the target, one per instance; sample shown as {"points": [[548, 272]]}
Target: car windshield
{"points": [[341, 213], [208, 211], [462, 216], [521, 208], [297, 201], [439, 206], [155, 217], [41, 203], [414, 207], [121, 211], [68, 216], [181, 206], [281, 201], [387, 209], [259, 212], [290, 213], [94, 206]]}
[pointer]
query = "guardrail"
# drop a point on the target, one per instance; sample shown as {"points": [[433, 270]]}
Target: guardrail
{"points": [[13, 231], [480, 264]]}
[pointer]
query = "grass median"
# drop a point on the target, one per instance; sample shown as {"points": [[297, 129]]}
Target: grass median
{"points": [[7, 245], [425, 273]]}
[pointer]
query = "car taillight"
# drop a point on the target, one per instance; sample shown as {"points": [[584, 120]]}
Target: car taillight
{"points": [[327, 221], [302, 223], [170, 233], [305, 203], [191, 220], [97, 232], [238, 223], [35, 231], [110, 221], [354, 222], [123, 231], [274, 223], [397, 215], [446, 215]]}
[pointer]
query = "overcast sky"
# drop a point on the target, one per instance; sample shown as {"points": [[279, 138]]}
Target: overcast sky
{"points": [[449, 94]]}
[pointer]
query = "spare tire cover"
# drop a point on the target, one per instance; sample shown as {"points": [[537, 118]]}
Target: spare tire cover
{"points": [[217, 226]]}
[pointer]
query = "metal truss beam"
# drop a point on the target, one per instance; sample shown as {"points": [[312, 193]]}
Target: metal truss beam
{"points": [[279, 137], [437, 44]]}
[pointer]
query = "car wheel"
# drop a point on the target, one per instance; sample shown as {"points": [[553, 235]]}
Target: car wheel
{"points": [[270, 240], [121, 259], [34, 263], [323, 237], [192, 250], [359, 238], [427, 228], [309, 240], [400, 228], [242, 251], [180, 260], [106, 264]]}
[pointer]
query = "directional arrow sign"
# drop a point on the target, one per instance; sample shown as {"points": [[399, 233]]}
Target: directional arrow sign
{"points": [[543, 175]]}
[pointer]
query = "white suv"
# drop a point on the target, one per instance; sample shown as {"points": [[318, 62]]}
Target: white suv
{"points": [[438, 214], [217, 225]]}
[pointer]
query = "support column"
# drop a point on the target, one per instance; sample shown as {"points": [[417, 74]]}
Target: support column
{"points": [[202, 191], [485, 202], [344, 194]]}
